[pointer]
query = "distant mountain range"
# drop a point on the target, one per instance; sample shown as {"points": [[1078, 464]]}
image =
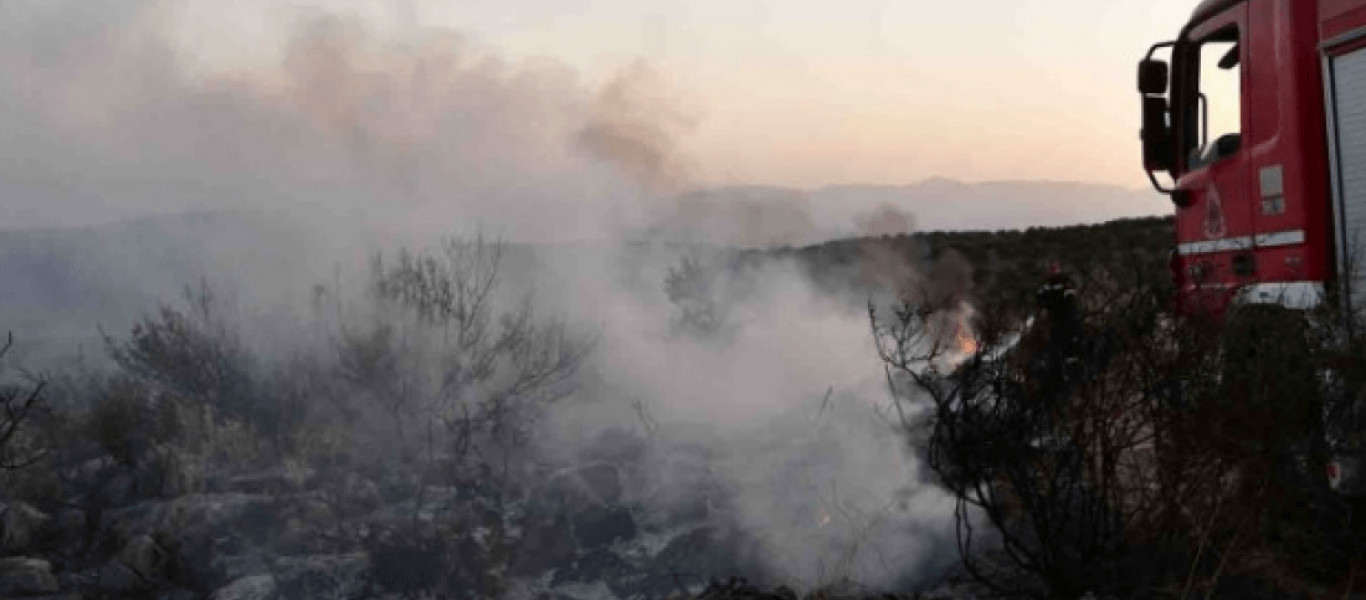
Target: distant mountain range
{"points": [[57, 284], [758, 216]]}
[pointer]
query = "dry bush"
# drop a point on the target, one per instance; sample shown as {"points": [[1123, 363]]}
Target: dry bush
{"points": [[189, 359], [479, 364], [128, 422], [1158, 455], [190, 351], [1244, 448], [460, 370]]}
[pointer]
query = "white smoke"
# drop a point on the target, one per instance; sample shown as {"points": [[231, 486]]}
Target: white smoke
{"points": [[405, 134], [790, 399], [416, 129]]}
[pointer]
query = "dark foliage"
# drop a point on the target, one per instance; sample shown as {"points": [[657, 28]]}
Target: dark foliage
{"points": [[1007, 266], [1040, 443], [191, 353], [1136, 453]]}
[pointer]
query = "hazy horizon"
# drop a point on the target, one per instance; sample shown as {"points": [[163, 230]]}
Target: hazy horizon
{"points": [[359, 157], [550, 119], [808, 94]]}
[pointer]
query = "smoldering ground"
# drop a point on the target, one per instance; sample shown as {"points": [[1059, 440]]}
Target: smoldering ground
{"points": [[357, 140], [787, 397]]}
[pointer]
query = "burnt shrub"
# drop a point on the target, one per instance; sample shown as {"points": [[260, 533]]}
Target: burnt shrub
{"points": [[190, 351], [190, 366], [1134, 451], [128, 421]]}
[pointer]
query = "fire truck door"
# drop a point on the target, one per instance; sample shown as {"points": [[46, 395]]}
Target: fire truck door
{"points": [[1218, 227]]}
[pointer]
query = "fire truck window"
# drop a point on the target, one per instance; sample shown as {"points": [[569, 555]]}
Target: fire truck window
{"points": [[1221, 93]]}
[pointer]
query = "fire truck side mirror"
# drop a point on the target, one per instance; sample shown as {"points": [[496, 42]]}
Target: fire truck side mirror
{"points": [[1152, 77], [1156, 134]]}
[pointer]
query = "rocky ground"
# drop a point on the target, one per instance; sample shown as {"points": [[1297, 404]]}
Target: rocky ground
{"points": [[580, 532]]}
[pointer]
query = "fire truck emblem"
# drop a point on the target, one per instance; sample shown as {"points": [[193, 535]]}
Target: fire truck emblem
{"points": [[1215, 226]]}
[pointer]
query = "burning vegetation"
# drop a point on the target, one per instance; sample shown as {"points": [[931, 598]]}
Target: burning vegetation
{"points": [[438, 432], [595, 421]]}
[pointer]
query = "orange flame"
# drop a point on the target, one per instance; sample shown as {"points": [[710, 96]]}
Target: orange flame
{"points": [[967, 344], [963, 339]]}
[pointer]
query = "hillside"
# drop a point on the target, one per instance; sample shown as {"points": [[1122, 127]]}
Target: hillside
{"points": [[1006, 266], [762, 216], [64, 283]]}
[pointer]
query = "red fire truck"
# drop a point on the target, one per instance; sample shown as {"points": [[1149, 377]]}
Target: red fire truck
{"points": [[1257, 131]]}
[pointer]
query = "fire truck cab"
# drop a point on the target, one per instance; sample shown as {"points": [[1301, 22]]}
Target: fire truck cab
{"points": [[1256, 129]]}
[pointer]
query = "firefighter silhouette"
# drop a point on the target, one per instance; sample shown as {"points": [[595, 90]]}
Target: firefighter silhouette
{"points": [[1062, 352]]}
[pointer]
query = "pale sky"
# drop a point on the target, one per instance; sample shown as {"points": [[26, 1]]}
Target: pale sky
{"points": [[811, 92], [123, 107], [815, 92]]}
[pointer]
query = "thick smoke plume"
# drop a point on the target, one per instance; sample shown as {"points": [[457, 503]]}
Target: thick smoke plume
{"points": [[636, 122], [418, 129], [361, 140], [788, 399]]}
